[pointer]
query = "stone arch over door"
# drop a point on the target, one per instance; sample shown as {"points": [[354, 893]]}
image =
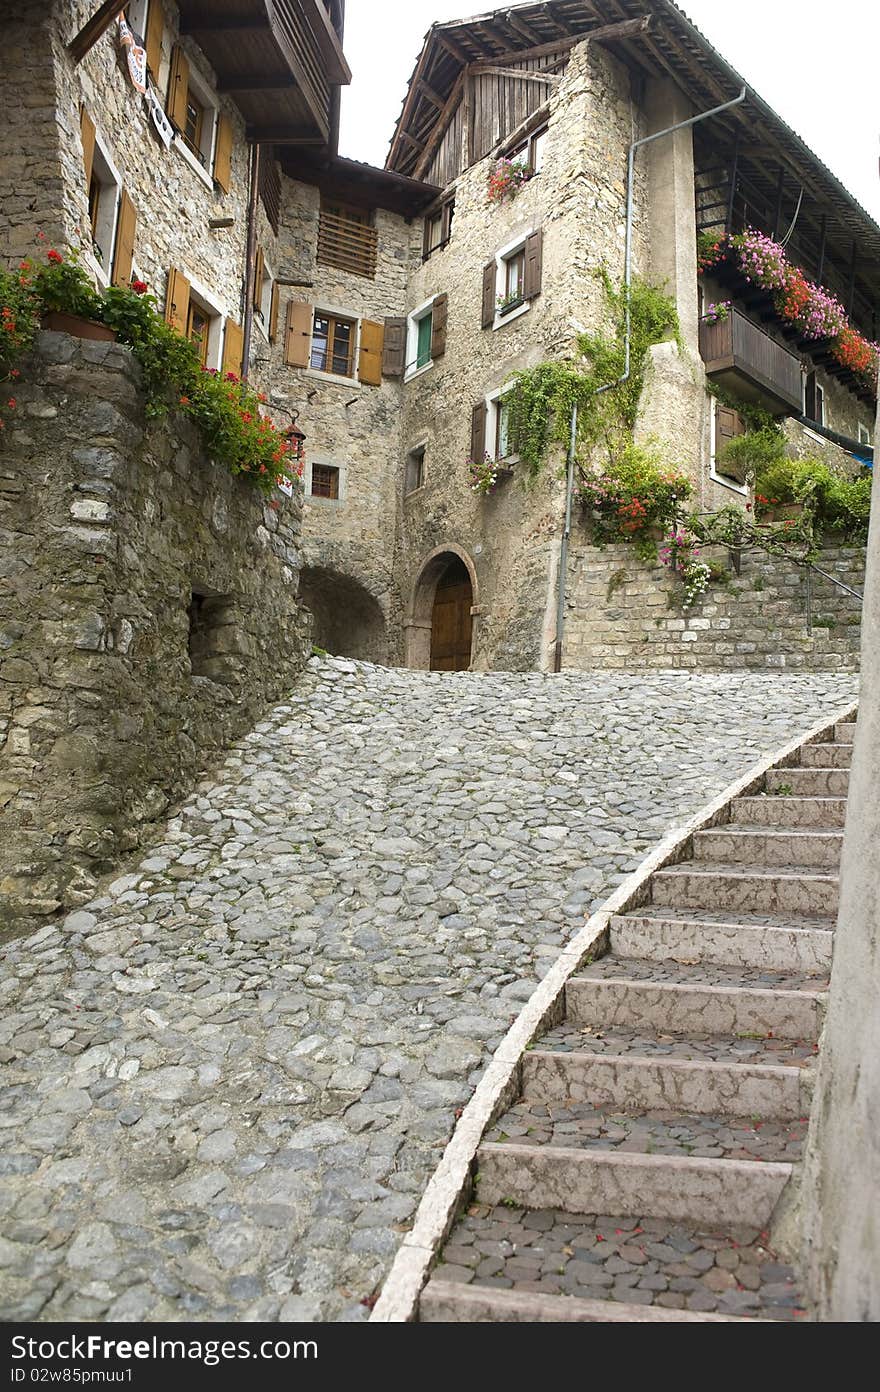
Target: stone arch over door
{"points": [[349, 621], [446, 574]]}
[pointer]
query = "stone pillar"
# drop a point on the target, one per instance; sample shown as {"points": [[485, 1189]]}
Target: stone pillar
{"points": [[840, 1198], [672, 216]]}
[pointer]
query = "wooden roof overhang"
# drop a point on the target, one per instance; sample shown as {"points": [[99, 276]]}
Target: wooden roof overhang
{"points": [[833, 232], [353, 182]]}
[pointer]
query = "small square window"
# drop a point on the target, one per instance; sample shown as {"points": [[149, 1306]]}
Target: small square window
{"points": [[864, 434], [325, 481], [438, 227], [415, 470], [513, 270], [333, 345]]}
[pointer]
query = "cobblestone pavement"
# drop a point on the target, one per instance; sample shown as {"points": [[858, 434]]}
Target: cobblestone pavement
{"points": [[652, 1133], [643, 1261], [228, 1079]]}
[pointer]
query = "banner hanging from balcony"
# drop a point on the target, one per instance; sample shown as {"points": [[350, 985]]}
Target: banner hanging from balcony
{"points": [[136, 56]]}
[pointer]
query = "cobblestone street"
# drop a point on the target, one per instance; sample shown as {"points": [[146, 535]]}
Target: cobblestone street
{"points": [[229, 1078]]}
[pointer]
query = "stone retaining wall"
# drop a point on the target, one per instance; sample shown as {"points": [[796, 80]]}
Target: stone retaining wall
{"points": [[148, 614], [622, 613]]}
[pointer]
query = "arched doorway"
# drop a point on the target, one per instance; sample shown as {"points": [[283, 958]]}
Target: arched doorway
{"points": [[440, 626], [348, 619]]}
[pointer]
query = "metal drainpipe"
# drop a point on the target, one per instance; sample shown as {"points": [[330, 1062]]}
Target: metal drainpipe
{"points": [[250, 268], [627, 283]]}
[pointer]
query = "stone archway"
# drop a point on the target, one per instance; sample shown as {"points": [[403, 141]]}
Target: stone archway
{"points": [[349, 621], [439, 630]]}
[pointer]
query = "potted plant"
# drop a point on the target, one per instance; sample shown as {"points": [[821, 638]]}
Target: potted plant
{"points": [[486, 474], [506, 178], [71, 304]]}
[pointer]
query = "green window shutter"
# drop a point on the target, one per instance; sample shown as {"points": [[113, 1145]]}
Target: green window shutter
{"points": [[423, 351]]}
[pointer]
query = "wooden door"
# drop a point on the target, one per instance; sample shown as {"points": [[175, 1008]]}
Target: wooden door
{"points": [[451, 621]]}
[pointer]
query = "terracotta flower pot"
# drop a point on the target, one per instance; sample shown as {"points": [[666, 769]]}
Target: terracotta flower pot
{"points": [[75, 326]]}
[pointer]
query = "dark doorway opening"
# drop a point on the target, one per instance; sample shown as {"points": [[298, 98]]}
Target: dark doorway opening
{"points": [[452, 622]]}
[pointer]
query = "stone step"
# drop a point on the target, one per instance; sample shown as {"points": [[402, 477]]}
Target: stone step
{"points": [[760, 889], [643, 1042], [809, 782], [826, 756], [690, 972], [801, 949], [845, 732], [677, 1009], [789, 811], [676, 1187], [745, 845], [449, 1302], [764, 1091]]}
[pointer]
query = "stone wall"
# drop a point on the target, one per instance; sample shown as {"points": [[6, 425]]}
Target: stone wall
{"points": [[149, 614], [624, 614]]}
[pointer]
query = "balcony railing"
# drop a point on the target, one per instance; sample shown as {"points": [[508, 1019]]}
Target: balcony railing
{"points": [[346, 244], [739, 353]]}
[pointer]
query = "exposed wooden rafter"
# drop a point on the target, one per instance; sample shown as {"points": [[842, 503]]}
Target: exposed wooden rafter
{"points": [[441, 125], [92, 30]]}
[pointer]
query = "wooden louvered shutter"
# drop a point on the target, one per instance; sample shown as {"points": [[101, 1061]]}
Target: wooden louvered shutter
{"points": [[489, 293], [178, 88], [87, 131], [534, 270], [728, 424], [233, 345], [372, 347], [298, 334], [153, 38], [394, 352], [124, 241], [478, 432], [273, 313], [177, 300], [223, 153], [439, 316]]}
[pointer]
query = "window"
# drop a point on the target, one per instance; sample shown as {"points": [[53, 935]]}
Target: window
{"points": [[192, 131], [814, 399], [864, 434], [438, 227], [512, 279], [347, 239], [726, 425], [531, 151], [192, 111], [414, 473], [498, 442], [104, 192], [333, 345], [325, 482], [419, 335], [198, 329], [265, 297], [513, 270]]}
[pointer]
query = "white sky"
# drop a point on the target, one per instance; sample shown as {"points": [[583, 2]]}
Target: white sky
{"points": [[816, 62]]}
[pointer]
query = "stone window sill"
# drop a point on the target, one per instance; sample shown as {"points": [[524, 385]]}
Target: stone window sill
{"points": [[320, 376], [418, 372], [508, 318], [189, 157]]}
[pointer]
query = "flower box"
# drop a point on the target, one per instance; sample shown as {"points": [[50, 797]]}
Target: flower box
{"points": [[75, 326]]}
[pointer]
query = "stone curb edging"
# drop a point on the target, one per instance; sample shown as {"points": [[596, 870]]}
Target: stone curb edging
{"points": [[500, 1083]]}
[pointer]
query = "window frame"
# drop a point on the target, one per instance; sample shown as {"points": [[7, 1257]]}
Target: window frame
{"points": [[107, 220], [417, 452], [203, 163], [444, 214], [724, 480], [335, 316], [324, 462], [864, 435], [216, 316], [411, 368], [263, 308], [505, 314], [532, 146], [494, 418]]}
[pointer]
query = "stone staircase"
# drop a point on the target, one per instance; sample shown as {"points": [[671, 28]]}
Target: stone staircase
{"points": [[636, 1177]]}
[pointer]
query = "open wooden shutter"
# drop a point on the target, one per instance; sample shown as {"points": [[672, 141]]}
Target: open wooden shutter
{"points": [[153, 38], [178, 88], [534, 265], [298, 334], [489, 293], [394, 352], [223, 153], [372, 347], [124, 241], [177, 300], [439, 317], [233, 344], [728, 424], [478, 432], [87, 131], [273, 313]]}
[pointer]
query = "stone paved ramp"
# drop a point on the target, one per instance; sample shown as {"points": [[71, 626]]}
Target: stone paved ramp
{"points": [[228, 1080]]}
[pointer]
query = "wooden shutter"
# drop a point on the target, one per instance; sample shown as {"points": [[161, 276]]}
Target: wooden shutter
{"points": [[478, 432], [489, 293], [394, 352], [439, 313], [372, 349], [233, 344], [273, 313], [259, 277], [728, 424], [534, 265], [177, 300], [124, 241], [87, 131], [153, 38], [298, 334], [223, 153], [178, 88]]}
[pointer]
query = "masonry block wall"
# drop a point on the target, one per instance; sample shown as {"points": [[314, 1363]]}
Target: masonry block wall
{"points": [[149, 615], [622, 613]]}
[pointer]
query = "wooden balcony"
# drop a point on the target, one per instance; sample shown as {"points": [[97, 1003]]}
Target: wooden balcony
{"points": [[741, 356], [347, 244]]}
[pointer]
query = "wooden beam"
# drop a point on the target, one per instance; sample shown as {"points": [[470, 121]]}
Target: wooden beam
{"points": [[467, 122], [520, 27], [451, 45], [441, 125], [411, 140], [92, 30], [486, 70], [514, 137], [281, 135], [777, 215], [606, 33], [335, 66], [427, 91], [558, 20]]}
